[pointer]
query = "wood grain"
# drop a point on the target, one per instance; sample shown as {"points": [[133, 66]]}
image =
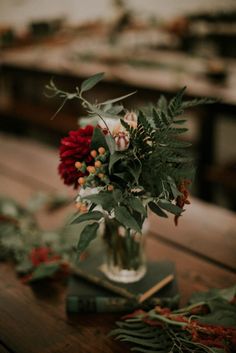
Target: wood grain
{"points": [[3, 349], [201, 227], [205, 229], [33, 320], [193, 273]]}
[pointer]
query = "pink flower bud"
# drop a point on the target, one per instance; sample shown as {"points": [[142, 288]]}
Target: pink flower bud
{"points": [[131, 116], [122, 141]]}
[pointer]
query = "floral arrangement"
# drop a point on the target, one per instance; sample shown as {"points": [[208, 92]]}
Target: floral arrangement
{"points": [[125, 162]]}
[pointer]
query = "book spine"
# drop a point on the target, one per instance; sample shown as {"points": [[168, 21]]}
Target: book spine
{"points": [[76, 304]]}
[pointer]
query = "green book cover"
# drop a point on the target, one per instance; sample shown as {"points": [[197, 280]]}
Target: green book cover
{"points": [[84, 296]]}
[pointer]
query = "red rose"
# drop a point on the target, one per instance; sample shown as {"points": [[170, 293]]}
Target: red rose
{"points": [[75, 148]]}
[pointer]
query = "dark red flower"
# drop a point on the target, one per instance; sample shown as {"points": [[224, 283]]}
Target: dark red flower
{"points": [[75, 148], [183, 199], [42, 254]]}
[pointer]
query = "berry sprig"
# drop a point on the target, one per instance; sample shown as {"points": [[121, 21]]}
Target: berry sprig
{"points": [[95, 174]]}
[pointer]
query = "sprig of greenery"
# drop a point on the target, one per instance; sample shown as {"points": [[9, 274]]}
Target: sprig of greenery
{"points": [[178, 331], [102, 109]]}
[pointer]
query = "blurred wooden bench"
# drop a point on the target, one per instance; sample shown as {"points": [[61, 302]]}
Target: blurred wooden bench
{"points": [[203, 248], [26, 70]]}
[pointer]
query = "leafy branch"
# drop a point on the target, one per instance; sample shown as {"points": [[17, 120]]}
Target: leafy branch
{"points": [[162, 330], [98, 109]]}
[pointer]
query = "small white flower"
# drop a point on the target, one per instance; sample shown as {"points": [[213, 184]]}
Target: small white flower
{"points": [[87, 192]]}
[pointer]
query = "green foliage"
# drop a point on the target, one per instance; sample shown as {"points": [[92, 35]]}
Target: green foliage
{"points": [[220, 311], [103, 198], [20, 234], [180, 331], [157, 210], [146, 339], [44, 270], [91, 82], [225, 294], [88, 234], [124, 217], [117, 156], [137, 205], [98, 139], [84, 217], [110, 143], [115, 100], [168, 206], [153, 166]]}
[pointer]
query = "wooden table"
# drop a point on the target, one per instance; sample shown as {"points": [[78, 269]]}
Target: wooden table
{"points": [[203, 248]]}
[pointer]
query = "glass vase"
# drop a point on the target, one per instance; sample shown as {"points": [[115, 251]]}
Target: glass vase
{"points": [[125, 257]]}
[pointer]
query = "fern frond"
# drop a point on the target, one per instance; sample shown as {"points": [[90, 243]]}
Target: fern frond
{"points": [[198, 101], [162, 103], [175, 106]]}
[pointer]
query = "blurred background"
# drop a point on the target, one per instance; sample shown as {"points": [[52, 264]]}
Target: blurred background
{"points": [[151, 46]]}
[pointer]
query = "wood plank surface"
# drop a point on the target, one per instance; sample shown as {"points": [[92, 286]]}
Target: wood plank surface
{"points": [[33, 320], [205, 229], [34, 324], [34, 164], [3, 349]]}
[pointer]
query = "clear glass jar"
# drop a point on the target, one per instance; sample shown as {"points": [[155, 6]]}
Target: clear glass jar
{"points": [[125, 256]]}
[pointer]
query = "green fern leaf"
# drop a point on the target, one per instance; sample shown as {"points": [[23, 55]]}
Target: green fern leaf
{"points": [[175, 106], [198, 101]]}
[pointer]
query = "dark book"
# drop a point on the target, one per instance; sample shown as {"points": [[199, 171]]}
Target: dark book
{"points": [[84, 296]]}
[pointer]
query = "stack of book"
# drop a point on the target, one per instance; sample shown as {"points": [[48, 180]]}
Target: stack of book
{"points": [[85, 296]]}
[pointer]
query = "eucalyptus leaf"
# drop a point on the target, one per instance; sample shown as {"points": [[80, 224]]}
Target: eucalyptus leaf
{"points": [[110, 143], [92, 215], [156, 209], [115, 157], [173, 187], [117, 195], [137, 205], [95, 111], [91, 82], [124, 176], [98, 139], [124, 217], [116, 109], [88, 234], [168, 206], [45, 270], [112, 101], [226, 293], [103, 198], [221, 312]]}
